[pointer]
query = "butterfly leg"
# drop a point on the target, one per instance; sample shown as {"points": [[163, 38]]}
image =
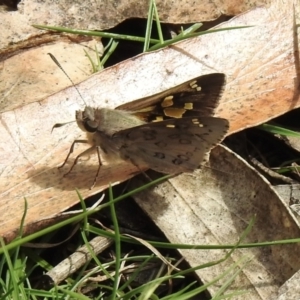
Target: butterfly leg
{"points": [[71, 151], [99, 166], [138, 167], [84, 153]]}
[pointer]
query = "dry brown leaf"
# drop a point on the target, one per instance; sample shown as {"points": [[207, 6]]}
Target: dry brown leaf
{"points": [[290, 290], [290, 194], [31, 75], [105, 14], [258, 74], [213, 207], [293, 142]]}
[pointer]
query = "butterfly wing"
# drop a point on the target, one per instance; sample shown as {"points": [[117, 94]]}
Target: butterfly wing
{"points": [[171, 146], [197, 97]]}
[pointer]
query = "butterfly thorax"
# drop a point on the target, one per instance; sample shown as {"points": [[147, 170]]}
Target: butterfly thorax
{"points": [[102, 123], [105, 120]]}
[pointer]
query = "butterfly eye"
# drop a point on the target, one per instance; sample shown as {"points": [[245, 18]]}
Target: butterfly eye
{"points": [[89, 125], [85, 121], [88, 119]]}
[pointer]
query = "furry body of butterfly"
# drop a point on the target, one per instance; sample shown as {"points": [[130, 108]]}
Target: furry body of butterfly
{"points": [[101, 124], [170, 146]]}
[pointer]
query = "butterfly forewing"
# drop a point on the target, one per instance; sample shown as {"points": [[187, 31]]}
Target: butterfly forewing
{"points": [[197, 97], [171, 146]]}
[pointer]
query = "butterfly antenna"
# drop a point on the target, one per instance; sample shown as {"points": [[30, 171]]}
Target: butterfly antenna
{"points": [[59, 65]]}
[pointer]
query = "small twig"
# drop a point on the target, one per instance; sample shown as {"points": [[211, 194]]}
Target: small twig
{"points": [[271, 173]]}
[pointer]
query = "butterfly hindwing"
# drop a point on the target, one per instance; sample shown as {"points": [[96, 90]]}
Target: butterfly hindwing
{"points": [[171, 146]]}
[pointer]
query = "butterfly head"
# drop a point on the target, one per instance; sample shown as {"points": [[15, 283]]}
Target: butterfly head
{"points": [[86, 119]]}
